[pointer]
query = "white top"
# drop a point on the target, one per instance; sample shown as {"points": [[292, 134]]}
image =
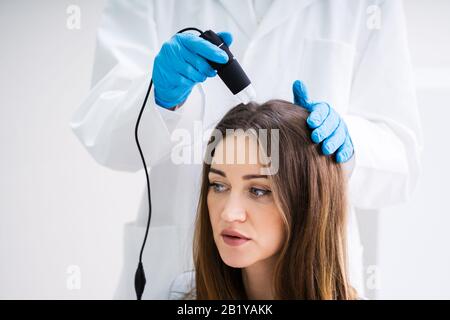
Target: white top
{"points": [[182, 285]]}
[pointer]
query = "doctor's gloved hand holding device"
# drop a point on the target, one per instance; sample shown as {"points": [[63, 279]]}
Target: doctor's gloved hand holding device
{"points": [[187, 59], [184, 61]]}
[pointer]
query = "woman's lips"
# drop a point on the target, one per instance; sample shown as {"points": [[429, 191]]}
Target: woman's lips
{"points": [[234, 241]]}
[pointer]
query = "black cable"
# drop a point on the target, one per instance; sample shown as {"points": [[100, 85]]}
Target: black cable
{"points": [[139, 278], [190, 28]]}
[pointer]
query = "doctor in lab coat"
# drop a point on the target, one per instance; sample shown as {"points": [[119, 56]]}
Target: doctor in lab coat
{"points": [[364, 73]]}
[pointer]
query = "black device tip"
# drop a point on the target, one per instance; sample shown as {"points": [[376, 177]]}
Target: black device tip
{"points": [[139, 281]]}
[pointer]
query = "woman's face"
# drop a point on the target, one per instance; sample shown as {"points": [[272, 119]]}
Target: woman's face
{"points": [[242, 200]]}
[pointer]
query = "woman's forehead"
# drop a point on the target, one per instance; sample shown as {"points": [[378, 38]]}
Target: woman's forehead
{"points": [[239, 149], [239, 171]]}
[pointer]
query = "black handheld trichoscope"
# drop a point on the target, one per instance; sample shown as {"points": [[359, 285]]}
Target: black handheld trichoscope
{"points": [[239, 84]]}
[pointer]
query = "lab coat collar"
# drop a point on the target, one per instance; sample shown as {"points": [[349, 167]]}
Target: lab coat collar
{"points": [[278, 12]]}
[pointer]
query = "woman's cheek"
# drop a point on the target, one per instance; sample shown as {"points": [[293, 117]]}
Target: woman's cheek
{"points": [[214, 202], [271, 225]]}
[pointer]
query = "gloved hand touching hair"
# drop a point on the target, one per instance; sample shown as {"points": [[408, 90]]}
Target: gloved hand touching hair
{"points": [[328, 127]]}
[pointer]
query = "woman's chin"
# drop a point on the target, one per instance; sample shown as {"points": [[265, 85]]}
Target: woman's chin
{"points": [[235, 260], [235, 264]]}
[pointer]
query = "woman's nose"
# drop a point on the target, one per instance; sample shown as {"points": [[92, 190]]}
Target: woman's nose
{"points": [[234, 210]]}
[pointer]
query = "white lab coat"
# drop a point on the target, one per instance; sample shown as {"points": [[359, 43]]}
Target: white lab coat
{"points": [[364, 73]]}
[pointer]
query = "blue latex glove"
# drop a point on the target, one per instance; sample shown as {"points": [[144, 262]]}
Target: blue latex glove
{"points": [[181, 64], [328, 127]]}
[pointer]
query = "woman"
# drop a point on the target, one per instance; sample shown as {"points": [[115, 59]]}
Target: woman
{"points": [[290, 223]]}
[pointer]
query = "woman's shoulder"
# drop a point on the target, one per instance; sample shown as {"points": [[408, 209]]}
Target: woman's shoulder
{"points": [[183, 286]]}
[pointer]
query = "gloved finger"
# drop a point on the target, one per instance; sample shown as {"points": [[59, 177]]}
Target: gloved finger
{"points": [[337, 138], [319, 112], [345, 152], [174, 95], [181, 98], [184, 81], [326, 129], [226, 37], [167, 101], [300, 95], [186, 69], [171, 95], [199, 63], [202, 47]]}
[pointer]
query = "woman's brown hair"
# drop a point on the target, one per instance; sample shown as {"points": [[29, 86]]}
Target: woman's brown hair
{"points": [[310, 189]]}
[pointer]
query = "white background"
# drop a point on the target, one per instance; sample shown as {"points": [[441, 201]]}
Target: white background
{"points": [[59, 208]]}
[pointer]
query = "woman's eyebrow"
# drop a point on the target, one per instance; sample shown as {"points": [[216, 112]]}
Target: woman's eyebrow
{"points": [[254, 176], [219, 172], [246, 177]]}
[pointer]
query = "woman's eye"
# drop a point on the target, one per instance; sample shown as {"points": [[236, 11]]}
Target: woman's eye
{"points": [[257, 192], [217, 187]]}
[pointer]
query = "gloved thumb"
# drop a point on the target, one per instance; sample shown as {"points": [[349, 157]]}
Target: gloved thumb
{"points": [[301, 95], [226, 37]]}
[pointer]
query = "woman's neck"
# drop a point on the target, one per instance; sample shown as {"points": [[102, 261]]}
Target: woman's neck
{"points": [[257, 279]]}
